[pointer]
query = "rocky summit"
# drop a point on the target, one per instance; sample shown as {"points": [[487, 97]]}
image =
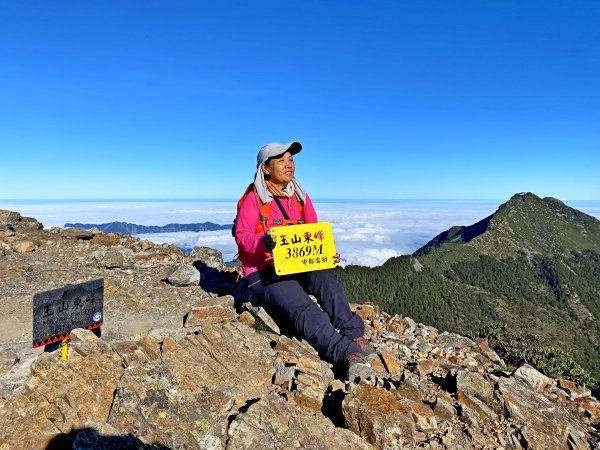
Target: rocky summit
{"points": [[187, 361]]}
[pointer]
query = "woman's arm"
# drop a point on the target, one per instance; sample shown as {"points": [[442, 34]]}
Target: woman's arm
{"points": [[245, 237]]}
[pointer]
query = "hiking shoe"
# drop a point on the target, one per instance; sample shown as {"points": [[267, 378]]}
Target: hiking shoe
{"points": [[357, 366], [368, 352]]}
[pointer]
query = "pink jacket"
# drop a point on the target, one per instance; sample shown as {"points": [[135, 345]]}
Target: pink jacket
{"points": [[252, 244]]}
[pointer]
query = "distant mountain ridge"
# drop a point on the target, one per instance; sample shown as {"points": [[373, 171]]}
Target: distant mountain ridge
{"points": [[132, 228], [534, 264]]}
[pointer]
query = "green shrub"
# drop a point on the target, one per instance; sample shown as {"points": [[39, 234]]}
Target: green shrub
{"points": [[516, 348]]}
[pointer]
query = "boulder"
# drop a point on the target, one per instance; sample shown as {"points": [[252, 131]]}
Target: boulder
{"points": [[309, 395], [27, 225], [272, 423], [422, 415], [444, 410], [7, 360], [247, 318], [61, 396], [184, 275], [573, 389], [153, 404], [24, 246], [8, 219], [475, 385], [532, 378], [114, 258], [399, 325], [590, 405], [146, 245], [208, 256], [474, 410], [425, 367], [264, 316], [284, 376], [391, 363], [366, 311], [455, 340], [229, 356], [78, 233], [211, 311], [375, 415], [543, 424]]}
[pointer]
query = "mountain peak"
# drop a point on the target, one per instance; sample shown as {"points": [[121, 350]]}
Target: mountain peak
{"points": [[525, 222], [528, 198]]}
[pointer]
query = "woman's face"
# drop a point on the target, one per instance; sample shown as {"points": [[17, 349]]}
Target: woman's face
{"points": [[280, 170]]}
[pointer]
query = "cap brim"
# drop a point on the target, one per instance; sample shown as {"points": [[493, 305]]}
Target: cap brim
{"points": [[294, 148]]}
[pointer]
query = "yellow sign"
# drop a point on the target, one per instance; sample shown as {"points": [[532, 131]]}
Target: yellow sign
{"points": [[301, 248], [64, 349]]}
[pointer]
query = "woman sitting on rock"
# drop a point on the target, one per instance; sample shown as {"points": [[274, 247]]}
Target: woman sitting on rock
{"points": [[333, 329]]}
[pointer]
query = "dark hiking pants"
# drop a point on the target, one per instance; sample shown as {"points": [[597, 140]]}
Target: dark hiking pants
{"points": [[319, 326]]}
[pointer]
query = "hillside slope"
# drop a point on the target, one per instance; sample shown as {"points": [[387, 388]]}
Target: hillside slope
{"points": [[533, 264]]}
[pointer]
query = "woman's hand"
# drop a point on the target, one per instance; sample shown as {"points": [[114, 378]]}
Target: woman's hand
{"points": [[336, 258], [270, 241]]}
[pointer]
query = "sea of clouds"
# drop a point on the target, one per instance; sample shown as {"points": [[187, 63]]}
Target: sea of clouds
{"points": [[366, 232]]}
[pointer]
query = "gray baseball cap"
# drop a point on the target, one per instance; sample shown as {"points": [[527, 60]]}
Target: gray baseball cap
{"points": [[275, 149]]}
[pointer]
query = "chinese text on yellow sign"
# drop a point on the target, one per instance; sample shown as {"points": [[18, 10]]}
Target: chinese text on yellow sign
{"points": [[301, 248]]}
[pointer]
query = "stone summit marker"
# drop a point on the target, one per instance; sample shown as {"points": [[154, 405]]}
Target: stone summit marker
{"points": [[57, 312]]}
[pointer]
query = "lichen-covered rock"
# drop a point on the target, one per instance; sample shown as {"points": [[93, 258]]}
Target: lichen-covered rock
{"points": [[272, 423], [114, 258], [77, 233], [590, 405], [531, 377], [154, 405], [375, 415], [392, 363], [231, 357], [24, 246], [208, 257], [7, 360], [211, 311], [8, 219], [544, 425], [572, 389], [184, 275], [476, 385], [247, 318], [455, 340], [61, 396], [27, 225]]}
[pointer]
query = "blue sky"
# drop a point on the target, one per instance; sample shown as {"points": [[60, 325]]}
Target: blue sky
{"points": [[428, 99]]}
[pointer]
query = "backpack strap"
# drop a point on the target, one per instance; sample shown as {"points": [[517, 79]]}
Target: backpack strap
{"points": [[281, 208], [299, 207]]}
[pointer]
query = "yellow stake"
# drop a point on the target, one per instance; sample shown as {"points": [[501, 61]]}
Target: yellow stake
{"points": [[64, 349]]}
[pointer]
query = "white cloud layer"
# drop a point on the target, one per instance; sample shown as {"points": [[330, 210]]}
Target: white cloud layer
{"points": [[366, 233]]}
